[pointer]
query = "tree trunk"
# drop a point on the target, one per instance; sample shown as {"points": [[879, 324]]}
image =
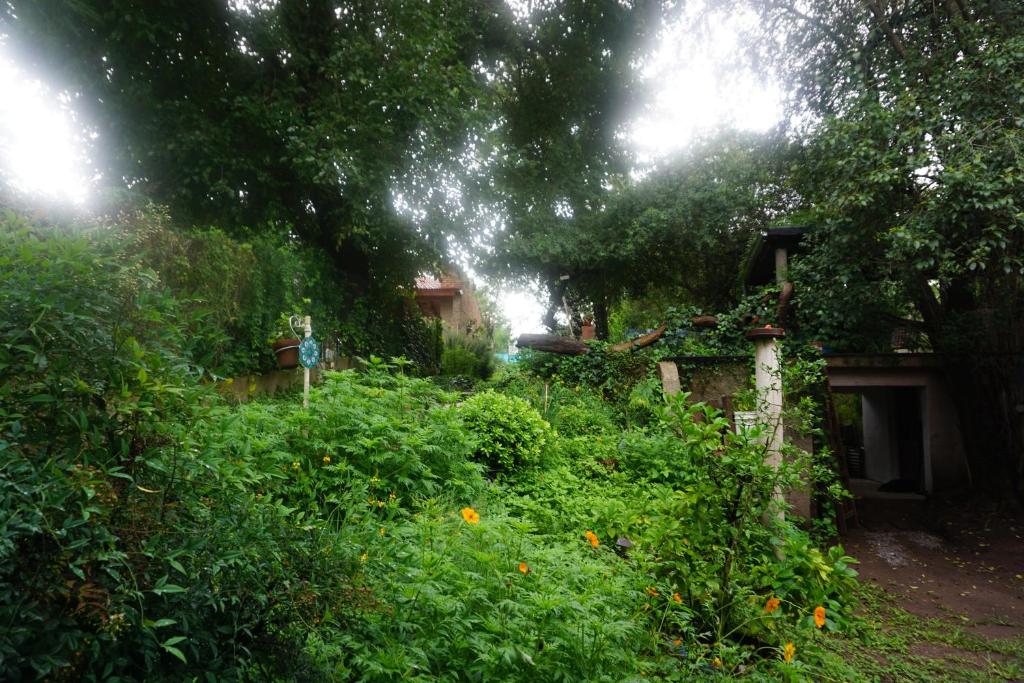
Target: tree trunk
{"points": [[983, 367], [987, 396], [552, 343], [601, 318]]}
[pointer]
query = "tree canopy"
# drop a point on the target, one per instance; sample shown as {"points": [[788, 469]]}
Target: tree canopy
{"points": [[910, 161]]}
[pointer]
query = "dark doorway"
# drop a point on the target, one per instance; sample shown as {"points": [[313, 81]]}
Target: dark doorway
{"points": [[882, 431]]}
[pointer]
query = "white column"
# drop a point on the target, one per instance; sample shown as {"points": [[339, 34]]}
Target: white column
{"points": [[768, 384], [781, 264], [308, 329]]}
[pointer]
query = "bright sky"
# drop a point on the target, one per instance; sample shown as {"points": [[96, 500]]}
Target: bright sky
{"points": [[692, 91], [40, 144]]}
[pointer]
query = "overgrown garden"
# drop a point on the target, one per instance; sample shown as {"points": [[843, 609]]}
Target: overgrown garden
{"points": [[432, 516]]}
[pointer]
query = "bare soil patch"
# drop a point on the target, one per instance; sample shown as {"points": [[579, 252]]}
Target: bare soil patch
{"points": [[962, 570]]}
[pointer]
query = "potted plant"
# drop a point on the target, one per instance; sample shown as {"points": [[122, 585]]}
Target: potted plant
{"points": [[285, 343]]}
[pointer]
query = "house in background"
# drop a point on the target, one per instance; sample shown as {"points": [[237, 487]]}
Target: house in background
{"points": [[449, 297]]}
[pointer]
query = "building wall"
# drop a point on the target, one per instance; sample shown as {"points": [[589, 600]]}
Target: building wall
{"points": [[945, 462], [879, 439]]}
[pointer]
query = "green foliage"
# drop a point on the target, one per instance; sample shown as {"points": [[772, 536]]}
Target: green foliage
{"points": [[693, 504], [612, 373], [122, 549], [275, 119], [458, 604], [151, 532], [471, 355], [510, 434], [399, 436]]}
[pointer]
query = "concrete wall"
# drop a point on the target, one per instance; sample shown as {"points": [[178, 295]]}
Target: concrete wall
{"points": [[879, 438], [245, 387]]}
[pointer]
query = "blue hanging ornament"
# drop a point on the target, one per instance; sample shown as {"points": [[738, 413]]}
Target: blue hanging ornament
{"points": [[309, 353]]}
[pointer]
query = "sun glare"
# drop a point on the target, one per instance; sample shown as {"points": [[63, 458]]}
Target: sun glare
{"points": [[40, 144], [696, 84]]}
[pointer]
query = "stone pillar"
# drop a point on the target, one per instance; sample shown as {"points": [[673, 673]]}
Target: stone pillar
{"points": [[768, 383], [669, 374], [781, 264]]}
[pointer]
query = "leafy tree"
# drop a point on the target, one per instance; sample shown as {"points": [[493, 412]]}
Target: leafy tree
{"points": [[297, 118], [565, 84], [683, 230], [912, 165]]}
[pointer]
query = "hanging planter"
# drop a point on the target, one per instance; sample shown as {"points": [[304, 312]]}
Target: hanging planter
{"points": [[287, 352]]}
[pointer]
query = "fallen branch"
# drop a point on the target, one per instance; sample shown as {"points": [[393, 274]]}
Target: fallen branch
{"points": [[640, 342], [552, 343]]}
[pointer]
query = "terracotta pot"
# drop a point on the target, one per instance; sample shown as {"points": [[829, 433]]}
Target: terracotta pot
{"points": [[287, 351]]}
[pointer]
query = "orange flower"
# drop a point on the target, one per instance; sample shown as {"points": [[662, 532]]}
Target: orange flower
{"points": [[470, 515], [592, 537], [819, 616], [677, 597], [788, 652], [652, 591], [523, 568], [772, 604], [677, 642]]}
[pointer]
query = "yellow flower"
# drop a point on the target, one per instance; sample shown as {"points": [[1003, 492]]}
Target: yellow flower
{"points": [[363, 557], [819, 616], [381, 531], [524, 568], [327, 460], [592, 537], [295, 465], [788, 652], [772, 604], [470, 515], [717, 662], [677, 597]]}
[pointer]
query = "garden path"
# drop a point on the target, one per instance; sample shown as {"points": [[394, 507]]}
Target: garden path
{"points": [[959, 572]]}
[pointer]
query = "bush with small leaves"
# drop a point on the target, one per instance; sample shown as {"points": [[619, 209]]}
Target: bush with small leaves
{"points": [[510, 433]]}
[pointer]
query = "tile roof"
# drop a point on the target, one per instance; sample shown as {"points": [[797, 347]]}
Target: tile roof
{"points": [[446, 282]]}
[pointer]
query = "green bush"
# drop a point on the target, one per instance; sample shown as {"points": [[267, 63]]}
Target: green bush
{"points": [[611, 373], [459, 361], [510, 434], [582, 421], [135, 541], [467, 354]]}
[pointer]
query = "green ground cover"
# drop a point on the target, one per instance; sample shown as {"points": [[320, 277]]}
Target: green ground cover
{"points": [[533, 529]]}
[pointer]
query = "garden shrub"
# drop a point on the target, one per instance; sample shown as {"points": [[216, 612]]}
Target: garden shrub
{"points": [[467, 354], [613, 373], [102, 486], [510, 434], [459, 361], [582, 421], [693, 503], [482, 601]]}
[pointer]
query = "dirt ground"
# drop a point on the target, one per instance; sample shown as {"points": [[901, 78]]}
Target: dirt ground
{"points": [[963, 570]]}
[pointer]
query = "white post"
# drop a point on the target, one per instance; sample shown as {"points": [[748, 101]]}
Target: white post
{"points": [[768, 383], [308, 329], [781, 265]]}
